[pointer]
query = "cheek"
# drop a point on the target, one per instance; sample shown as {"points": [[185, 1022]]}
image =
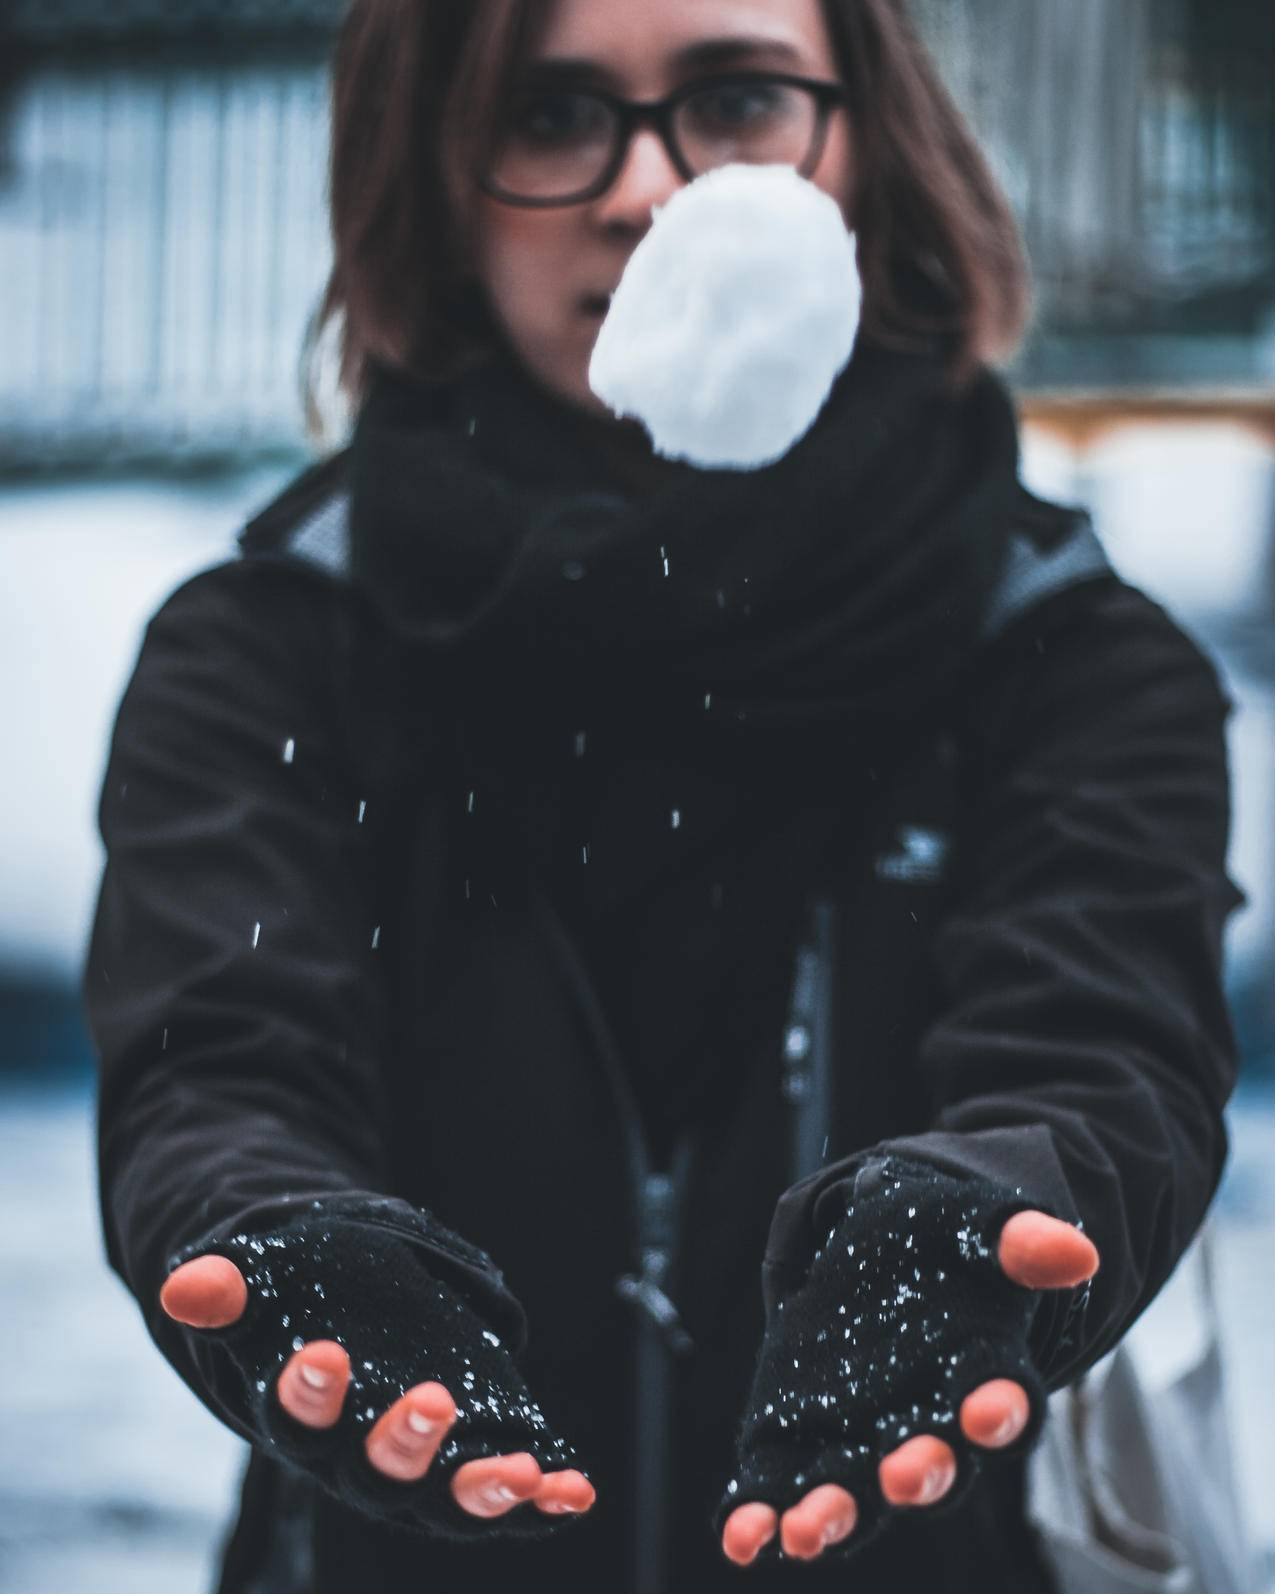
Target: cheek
{"points": [[522, 258], [835, 173]]}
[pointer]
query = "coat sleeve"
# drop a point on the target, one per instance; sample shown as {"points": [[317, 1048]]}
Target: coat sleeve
{"points": [[1082, 1048], [231, 984]]}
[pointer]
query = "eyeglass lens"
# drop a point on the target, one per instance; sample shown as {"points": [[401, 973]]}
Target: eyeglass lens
{"points": [[557, 143]]}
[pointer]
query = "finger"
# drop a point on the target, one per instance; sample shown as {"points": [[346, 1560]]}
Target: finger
{"points": [[405, 1439], [1045, 1253], [565, 1491], [826, 1516], [312, 1385], [494, 1485], [748, 1529], [206, 1292], [995, 1413], [919, 1472]]}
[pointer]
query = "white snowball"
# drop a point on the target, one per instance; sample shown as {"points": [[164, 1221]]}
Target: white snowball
{"points": [[734, 317]]}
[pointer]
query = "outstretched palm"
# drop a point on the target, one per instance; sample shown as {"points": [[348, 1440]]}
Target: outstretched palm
{"points": [[1035, 1250], [211, 1292]]}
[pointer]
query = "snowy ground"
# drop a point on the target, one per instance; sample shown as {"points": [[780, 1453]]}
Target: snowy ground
{"points": [[114, 1479]]}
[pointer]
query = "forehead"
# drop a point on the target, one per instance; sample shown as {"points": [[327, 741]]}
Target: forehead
{"points": [[656, 32]]}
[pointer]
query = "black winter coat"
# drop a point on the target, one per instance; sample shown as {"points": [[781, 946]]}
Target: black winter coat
{"points": [[1024, 913]]}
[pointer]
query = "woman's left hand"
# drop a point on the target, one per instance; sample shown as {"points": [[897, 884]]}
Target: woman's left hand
{"points": [[1035, 1250]]}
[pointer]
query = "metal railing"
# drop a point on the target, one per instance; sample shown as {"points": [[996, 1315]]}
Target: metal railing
{"points": [[1137, 141], [161, 247], [64, 23]]}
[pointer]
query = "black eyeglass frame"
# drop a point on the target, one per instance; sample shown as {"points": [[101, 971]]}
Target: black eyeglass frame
{"points": [[659, 114]]}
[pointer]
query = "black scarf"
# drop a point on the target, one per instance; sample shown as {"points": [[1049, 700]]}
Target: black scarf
{"points": [[662, 690], [842, 584]]}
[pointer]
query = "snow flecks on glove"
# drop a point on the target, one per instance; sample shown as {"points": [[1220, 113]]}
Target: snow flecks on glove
{"points": [[352, 1271], [904, 1311]]}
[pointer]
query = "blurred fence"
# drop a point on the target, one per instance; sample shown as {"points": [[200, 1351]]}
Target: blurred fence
{"points": [[1137, 140], [162, 240], [77, 22], [163, 235]]}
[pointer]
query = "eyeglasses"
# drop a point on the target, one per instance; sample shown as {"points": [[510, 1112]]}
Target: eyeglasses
{"points": [[564, 146]]}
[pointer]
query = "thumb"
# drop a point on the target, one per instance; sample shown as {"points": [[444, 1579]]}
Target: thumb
{"points": [[1045, 1253], [206, 1292]]}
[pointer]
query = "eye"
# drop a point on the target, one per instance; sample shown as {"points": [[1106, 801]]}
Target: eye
{"points": [[551, 116], [737, 105]]}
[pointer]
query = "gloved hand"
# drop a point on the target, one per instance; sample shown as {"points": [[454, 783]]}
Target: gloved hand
{"points": [[905, 1311], [352, 1270]]}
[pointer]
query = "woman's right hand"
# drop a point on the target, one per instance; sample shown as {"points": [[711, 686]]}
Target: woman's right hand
{"points": [[211, 1292]]}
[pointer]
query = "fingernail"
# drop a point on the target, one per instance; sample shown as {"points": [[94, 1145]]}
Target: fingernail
{"points": [[935, 1481], [1008, 1430], [420, 1424], [315, 1378]]}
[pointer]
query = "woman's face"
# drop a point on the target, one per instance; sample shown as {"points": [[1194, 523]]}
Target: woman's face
{"points": [[538, 266]]}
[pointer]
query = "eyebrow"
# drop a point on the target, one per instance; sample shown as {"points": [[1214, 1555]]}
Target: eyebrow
{"points": [[704, 53]]}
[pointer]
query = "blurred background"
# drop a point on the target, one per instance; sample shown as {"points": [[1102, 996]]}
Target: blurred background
{"points": [[162, 243]]}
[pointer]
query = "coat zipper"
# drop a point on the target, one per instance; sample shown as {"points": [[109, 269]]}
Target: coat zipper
{"points": [[807, 1086], [657, 1199], [657, 1226], [661, 1337]]}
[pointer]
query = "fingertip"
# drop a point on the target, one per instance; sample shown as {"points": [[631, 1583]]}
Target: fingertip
{"points": [[919, 1472], [748, 1529], [568, 1492], [574, 1486], [205, 1292], [1044, 1252], [327, 1355], [738, 1549], [799, 1537], [312, 1384], [521, 1471], [433, 1401], [827, 1515], [491, 1486], [995, 1414]]}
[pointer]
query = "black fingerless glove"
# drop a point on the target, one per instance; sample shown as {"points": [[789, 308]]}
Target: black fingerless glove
{"points": [[410, 1301], [904, 1311]]}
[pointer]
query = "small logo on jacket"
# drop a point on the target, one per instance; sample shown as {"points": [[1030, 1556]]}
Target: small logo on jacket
{"points": [[921, 855]]}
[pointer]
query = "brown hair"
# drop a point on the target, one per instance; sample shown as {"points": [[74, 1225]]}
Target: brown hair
{"points": [[417, 88]]}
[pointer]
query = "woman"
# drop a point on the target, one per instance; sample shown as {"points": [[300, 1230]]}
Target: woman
{"points": [[478, 843]]}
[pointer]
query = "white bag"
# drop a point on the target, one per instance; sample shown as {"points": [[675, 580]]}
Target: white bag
{"points": [[1132, 1486]]}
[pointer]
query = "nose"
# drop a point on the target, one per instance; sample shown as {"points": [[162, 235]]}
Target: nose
{"points": [[648, 177]]}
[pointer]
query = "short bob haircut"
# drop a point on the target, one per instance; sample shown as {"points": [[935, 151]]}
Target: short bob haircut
{"points": [[416, 94]]}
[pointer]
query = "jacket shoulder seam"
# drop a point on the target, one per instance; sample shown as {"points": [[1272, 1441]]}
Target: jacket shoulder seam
{"points": [[308, 521], [1031, 573]]}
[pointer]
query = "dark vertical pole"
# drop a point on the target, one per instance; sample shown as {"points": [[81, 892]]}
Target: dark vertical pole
{"points": [[653, 1397], [808, 1075]]}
